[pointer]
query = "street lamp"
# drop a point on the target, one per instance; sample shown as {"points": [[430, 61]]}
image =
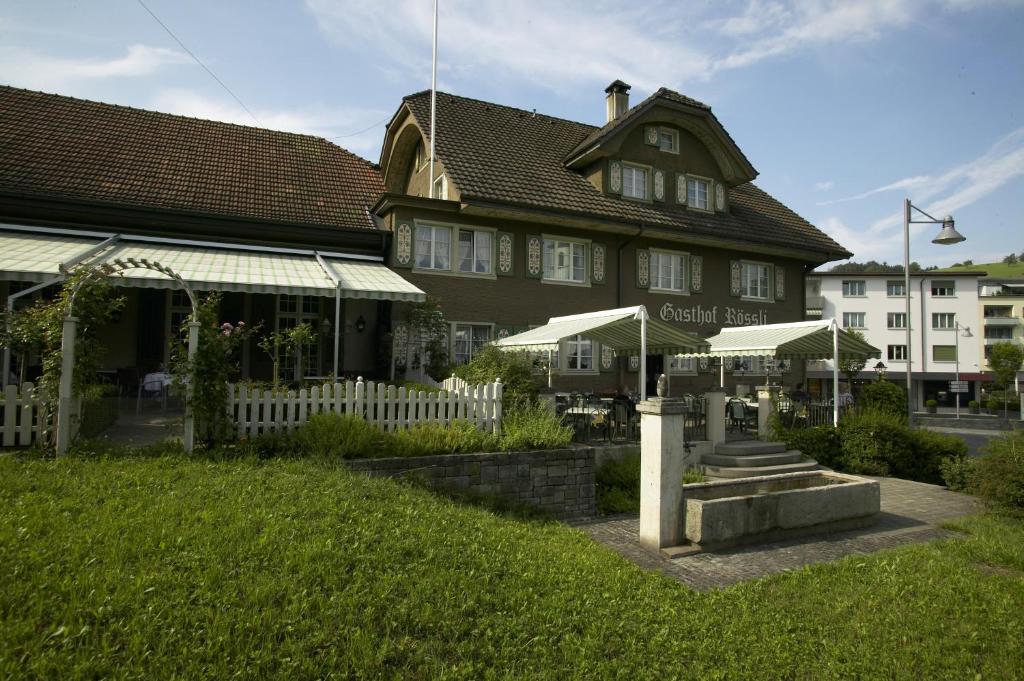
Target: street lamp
{"points": [[966, 332], [947, 237], [880, 369]]}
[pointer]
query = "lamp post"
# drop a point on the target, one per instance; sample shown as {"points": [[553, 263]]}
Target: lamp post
{"points": [[957, 329], [880, 369], [947, 237]]}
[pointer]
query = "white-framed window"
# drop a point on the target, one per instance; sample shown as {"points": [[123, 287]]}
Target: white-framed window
{"points": [[896, 320], [897, 353], [441, 187], [668, 140], [433, 247], [179, 308], [943, 320], [754, 280], [292, 311], [681, 365], [895, 288], [853, 288], [943, 289], [579, 354], [467, 339], [748, 365], [854, 320], [668, 271], [565, 260], [698, 193], [635, 181], [475, 251]]}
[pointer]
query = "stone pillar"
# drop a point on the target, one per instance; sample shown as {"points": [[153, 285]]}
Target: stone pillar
{"points": [[65, 401], [662, 461], [715, 400], [765, 408]]}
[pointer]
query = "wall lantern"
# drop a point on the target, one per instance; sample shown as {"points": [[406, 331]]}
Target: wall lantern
{"points": [[360, 324]]}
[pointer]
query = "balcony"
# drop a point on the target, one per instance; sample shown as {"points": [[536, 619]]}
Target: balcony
{"points": [[1001, 321], [993, 341]]}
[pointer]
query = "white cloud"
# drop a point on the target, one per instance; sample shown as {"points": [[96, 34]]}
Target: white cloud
{"points": [[824, 186], [29, 69], [864, 246], [310, 121]]}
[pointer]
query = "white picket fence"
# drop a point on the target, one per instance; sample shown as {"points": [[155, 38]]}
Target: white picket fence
{"points": [[453, 382], [23, 417], [388, 407]]}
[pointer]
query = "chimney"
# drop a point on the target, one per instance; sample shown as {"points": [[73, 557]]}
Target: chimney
{"points": [[617, 101]]}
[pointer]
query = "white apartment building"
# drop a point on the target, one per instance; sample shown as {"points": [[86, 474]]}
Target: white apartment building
{"points": [[876, 305]]}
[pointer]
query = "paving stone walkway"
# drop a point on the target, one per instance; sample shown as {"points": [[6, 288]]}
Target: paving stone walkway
{"points": [[911, 512]]}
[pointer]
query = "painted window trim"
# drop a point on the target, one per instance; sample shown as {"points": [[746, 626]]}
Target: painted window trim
{"points": [[300, 316], [595, 359], [451, 335], [443, 179], [863, 314], [895, 295], [675, 138], [890, 326], [936, 315], [587, 244], [667, 361], [770, 296], [453, 248], [864, 285], [691, 195], [648, 185], [684, 278]]}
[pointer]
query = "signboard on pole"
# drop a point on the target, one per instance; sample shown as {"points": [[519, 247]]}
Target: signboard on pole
{"points": [[958, 386]]}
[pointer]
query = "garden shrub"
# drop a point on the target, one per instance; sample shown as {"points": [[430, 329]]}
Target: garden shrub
{"points": [[930, 450], [998, 476], [884, 396], [338, 436], [820, 443], [515, 369], [957, 472], [692, 475], [428, 439], [875, 443], [533, 426], [617, 486]]}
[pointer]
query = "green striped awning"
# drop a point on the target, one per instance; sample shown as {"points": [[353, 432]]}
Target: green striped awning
{"points": [[617, 329], [797, 340]]}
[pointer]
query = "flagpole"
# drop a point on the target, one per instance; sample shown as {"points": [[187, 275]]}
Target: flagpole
{"points": [[433, 104]]}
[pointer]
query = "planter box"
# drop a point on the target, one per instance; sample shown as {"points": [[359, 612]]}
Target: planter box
{"points": [[772, 507]]}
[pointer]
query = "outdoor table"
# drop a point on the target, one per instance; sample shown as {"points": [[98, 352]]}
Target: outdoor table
{"points": [[157, 381]]}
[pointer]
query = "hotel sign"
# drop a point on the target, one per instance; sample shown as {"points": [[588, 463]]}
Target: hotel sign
{"points": [[717, 315]]}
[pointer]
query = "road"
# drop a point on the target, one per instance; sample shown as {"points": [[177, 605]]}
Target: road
{"points": [[975, 439]]}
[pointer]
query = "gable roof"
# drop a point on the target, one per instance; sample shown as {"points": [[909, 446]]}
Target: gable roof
{"points": [[52, 146], [500, 154]]}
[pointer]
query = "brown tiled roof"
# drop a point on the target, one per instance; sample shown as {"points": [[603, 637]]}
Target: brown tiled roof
{"points": [[60, 147], [505, 155]]}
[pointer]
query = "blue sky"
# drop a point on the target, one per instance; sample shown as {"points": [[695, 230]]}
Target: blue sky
{"points": [[845, 108]]}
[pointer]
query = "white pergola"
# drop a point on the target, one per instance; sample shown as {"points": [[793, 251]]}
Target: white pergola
{"points": [[627, 330], [802, 341]]}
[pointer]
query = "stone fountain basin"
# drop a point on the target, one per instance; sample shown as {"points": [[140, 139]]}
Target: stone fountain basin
{"points": [[772, 507]]}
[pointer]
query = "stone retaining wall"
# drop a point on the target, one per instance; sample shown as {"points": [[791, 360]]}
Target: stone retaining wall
{"points": [[559, 482]]}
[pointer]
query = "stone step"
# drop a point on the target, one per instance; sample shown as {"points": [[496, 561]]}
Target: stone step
{"points": [[748, 447], [752, 460], [755, 471]]}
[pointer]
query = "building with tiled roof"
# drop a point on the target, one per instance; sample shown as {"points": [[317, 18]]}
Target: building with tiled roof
{"points": [[533, 216]]}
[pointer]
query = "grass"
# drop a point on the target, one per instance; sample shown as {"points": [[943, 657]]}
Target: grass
{"points": [[995, 270], [169, 567]]}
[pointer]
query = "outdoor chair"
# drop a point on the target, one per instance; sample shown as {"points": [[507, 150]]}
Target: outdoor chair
{"points": [[740, 416]]}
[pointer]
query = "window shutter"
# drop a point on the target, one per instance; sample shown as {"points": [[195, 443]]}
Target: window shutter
{"points": [[506, 254], [780, 282], [534, 256], [606, 359], [719, 197], [651, 135], [402, 246], [659, 185], [598, 264], [681, 189], [735, 278], [614, 182], [643, 268], [696, 274]]}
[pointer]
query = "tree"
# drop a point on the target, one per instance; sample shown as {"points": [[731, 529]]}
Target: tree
{"points": [[851, 366], [1010, 259], [1005, 360]]}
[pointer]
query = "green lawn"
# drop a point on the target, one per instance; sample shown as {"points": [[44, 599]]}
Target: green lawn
{"points": [[153, 568], [995, 270]]}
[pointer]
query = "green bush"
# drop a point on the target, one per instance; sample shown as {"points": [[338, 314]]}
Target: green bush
{"points": [[883, 395], [515, 369], [931, 449], [429, 439], [931, 403], [957, 472], [993, 404], [617, 487], [692, 475], [338, 436], [533, 426], [973, 404], [875, 443], [820, 443], [998, 476]]}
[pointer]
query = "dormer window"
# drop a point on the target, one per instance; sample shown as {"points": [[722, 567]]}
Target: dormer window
{"points": [[634, 181], [421, 155], [698, 191], [441, 188], [668, 140]]}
